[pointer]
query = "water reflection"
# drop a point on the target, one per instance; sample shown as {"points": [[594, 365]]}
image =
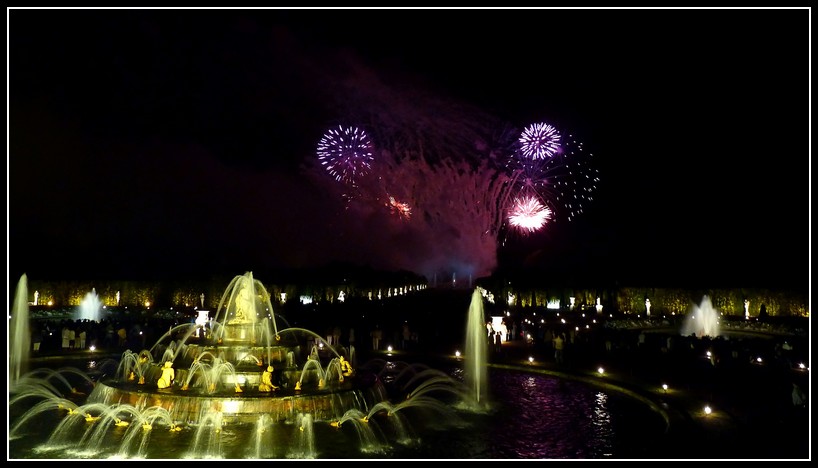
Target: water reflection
{"points": [[532, 416]]}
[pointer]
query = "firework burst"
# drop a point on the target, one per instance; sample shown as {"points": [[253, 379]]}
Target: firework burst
{"points": [[528, 214], [403, 210], [566, 180], [539, 141], [346, 153], [456, 177]]}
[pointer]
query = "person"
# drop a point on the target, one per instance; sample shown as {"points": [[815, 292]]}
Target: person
{"points": [[407, 336], [123, 337], [168, 374], [336, 336], [559, 343], [376, 335], [498, 341], [66, 333], [82, 335], [266, 384], [36, 338], [799, 398]]}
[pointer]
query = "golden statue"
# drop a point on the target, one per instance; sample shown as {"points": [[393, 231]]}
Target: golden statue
{"points": [[266, 384], [346, 367], [168, 374]]}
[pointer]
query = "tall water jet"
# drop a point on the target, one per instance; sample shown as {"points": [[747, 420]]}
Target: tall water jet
{"points": [[703, 320], [476, 349], [19, 338], [90, 307]]}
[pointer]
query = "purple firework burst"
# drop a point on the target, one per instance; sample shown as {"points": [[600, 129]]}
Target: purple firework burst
{"points": [[346, 153], [539, 141]]}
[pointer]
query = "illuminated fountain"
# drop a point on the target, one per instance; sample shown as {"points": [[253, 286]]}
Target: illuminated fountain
{"points": [[19, 332], [236, 387], [703, 320], [476, 349], [90, 307]]}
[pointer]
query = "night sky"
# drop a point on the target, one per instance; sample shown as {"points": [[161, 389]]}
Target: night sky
{"points": [[173, 143]]}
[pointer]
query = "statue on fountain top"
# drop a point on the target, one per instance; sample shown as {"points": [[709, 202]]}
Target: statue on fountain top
{"points": [[245, 306]]}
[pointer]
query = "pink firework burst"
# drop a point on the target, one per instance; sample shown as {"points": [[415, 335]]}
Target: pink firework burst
{"points": [[539, 141], [346, 153], [528, 214]]}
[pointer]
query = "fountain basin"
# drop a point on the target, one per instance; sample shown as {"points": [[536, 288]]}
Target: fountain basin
{"points": [[284, 405]]}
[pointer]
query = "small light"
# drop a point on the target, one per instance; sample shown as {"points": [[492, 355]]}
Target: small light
{"points": [[92, 348], [664, 387], [457, 353], [707, 410], [530, 358], [389, 348], [601, 371], [801, 366], [758, 359], [709, 354]]}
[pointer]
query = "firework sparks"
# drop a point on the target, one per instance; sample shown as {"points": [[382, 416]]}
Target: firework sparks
{"points": [[539, 141], [346, 153], [402, 209], [528, 214]]}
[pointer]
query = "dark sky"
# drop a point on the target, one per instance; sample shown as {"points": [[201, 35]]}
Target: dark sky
{"points": [[168, 143]]}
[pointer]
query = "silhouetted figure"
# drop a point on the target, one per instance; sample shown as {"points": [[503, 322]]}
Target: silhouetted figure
{"points": [[377, 335], [559, 345], [799, 398], [762, 313], [406, 336]]}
